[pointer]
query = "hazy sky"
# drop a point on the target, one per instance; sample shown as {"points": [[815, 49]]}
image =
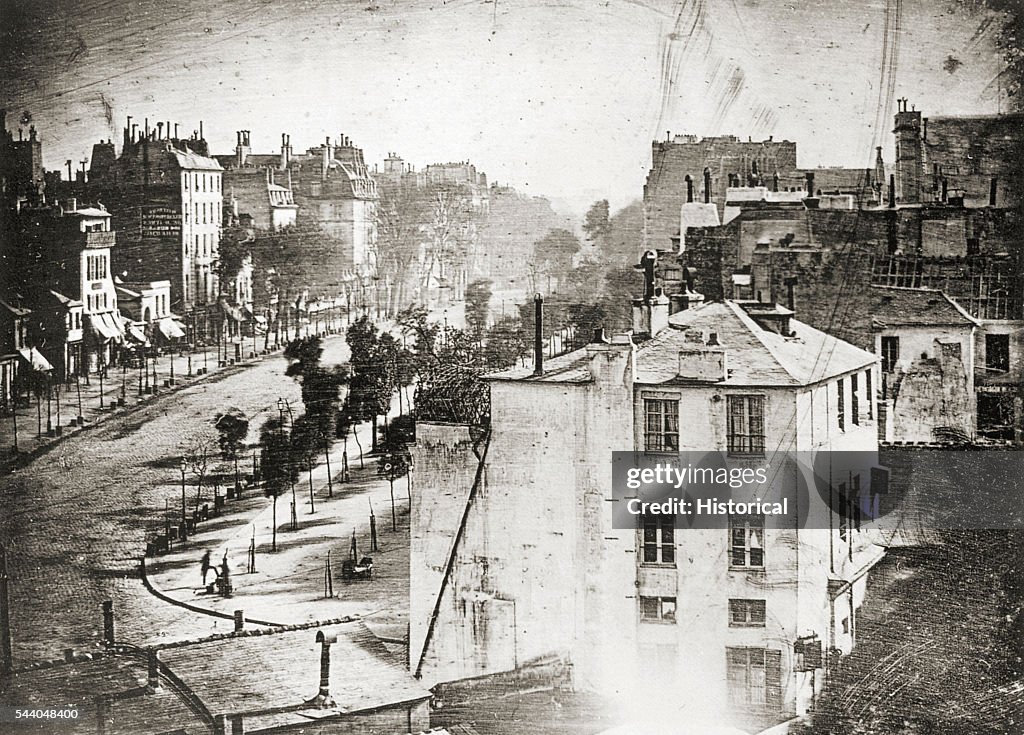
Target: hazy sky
{"points": [[558, 97]]}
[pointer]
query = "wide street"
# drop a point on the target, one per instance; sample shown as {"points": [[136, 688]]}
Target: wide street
{"points": [[77, 518]]}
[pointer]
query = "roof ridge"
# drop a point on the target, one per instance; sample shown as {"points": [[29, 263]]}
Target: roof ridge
{"points": [[755, 329]]}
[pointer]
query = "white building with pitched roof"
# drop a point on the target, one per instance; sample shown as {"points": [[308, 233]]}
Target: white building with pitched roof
{"points": [[515, 558]]}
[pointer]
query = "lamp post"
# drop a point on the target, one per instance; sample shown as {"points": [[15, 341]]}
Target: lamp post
{"points": [[184, 522]]}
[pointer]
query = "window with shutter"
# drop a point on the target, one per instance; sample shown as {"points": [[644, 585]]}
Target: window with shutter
{"points": [[754, 678]]}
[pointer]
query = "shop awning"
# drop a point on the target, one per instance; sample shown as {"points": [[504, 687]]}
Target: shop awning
{"points": [[34, 358], [105, 327], [233, 311], [170, 329], [136, 334]]}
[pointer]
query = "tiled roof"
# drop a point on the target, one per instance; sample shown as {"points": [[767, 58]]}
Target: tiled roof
{"points": [[191, 161], [281, 671], [920, 307], [572, 367], [755, 356]]}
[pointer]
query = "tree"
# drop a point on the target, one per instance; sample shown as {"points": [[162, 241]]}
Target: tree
{"points": [[306, 441], [504, 344], [233, 249], [596, 224], [232, 428], [198, 452], [277, 464], [402, 216], [554, 254], [478, 306]]}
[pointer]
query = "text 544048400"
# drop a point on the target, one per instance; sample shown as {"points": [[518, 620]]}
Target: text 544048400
{"points": [[29, 714]]}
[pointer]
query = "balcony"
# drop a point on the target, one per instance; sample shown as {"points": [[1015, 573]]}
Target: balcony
{"points": [[100, 239]]}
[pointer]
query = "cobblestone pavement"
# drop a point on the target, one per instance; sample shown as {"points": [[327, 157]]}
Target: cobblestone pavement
{"points": [[76, 519]]}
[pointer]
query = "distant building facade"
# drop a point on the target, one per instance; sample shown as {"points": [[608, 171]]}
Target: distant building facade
{"points": [[168, 193]]}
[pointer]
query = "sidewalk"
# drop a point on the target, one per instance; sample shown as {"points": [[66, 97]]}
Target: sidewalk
{"points": [[288, 586], [40, 424]]}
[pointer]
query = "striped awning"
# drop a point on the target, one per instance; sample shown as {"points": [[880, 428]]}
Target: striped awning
{"points": [[170, 328], [34, 358], [105, 327]]}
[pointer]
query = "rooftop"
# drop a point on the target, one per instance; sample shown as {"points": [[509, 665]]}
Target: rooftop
{"points": [[891, 306], [271, 676], [193, 161], [756, 356]]}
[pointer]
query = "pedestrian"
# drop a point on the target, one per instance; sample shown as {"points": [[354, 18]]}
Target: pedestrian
{"points": [[206, 565]]}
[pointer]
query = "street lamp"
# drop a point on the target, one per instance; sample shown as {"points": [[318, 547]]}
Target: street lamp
{"points": [[184, 522]]}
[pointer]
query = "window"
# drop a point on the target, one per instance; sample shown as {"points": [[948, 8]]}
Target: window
{"points": [[890, 353], [997, 352], [746, 424], [755, 677], [746, 541], [746, 613], [870, 396], [658, 608], [854, 400], [661, 426], [841, 404], [659, 539]]}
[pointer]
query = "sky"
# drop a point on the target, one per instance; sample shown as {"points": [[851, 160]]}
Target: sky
{"points": [[560, 98]]}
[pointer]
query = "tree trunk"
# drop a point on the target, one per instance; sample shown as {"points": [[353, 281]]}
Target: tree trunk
{"points": [[373, 435], [312, 504], [273, 537], [327, 459], [355, 433]]}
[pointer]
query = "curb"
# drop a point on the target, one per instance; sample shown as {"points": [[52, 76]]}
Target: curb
{"points": [[161, 595]]}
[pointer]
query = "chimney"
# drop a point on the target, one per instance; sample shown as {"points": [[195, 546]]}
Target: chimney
{"points": [[153, 680], [689, 189], [705, 363], [538, 334], [790, 282], [924, 129], [775, 181], [993, 190], [325, 159], [892, 191], [810, 183], [650, 316], [707, 185], [160, 130]]}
